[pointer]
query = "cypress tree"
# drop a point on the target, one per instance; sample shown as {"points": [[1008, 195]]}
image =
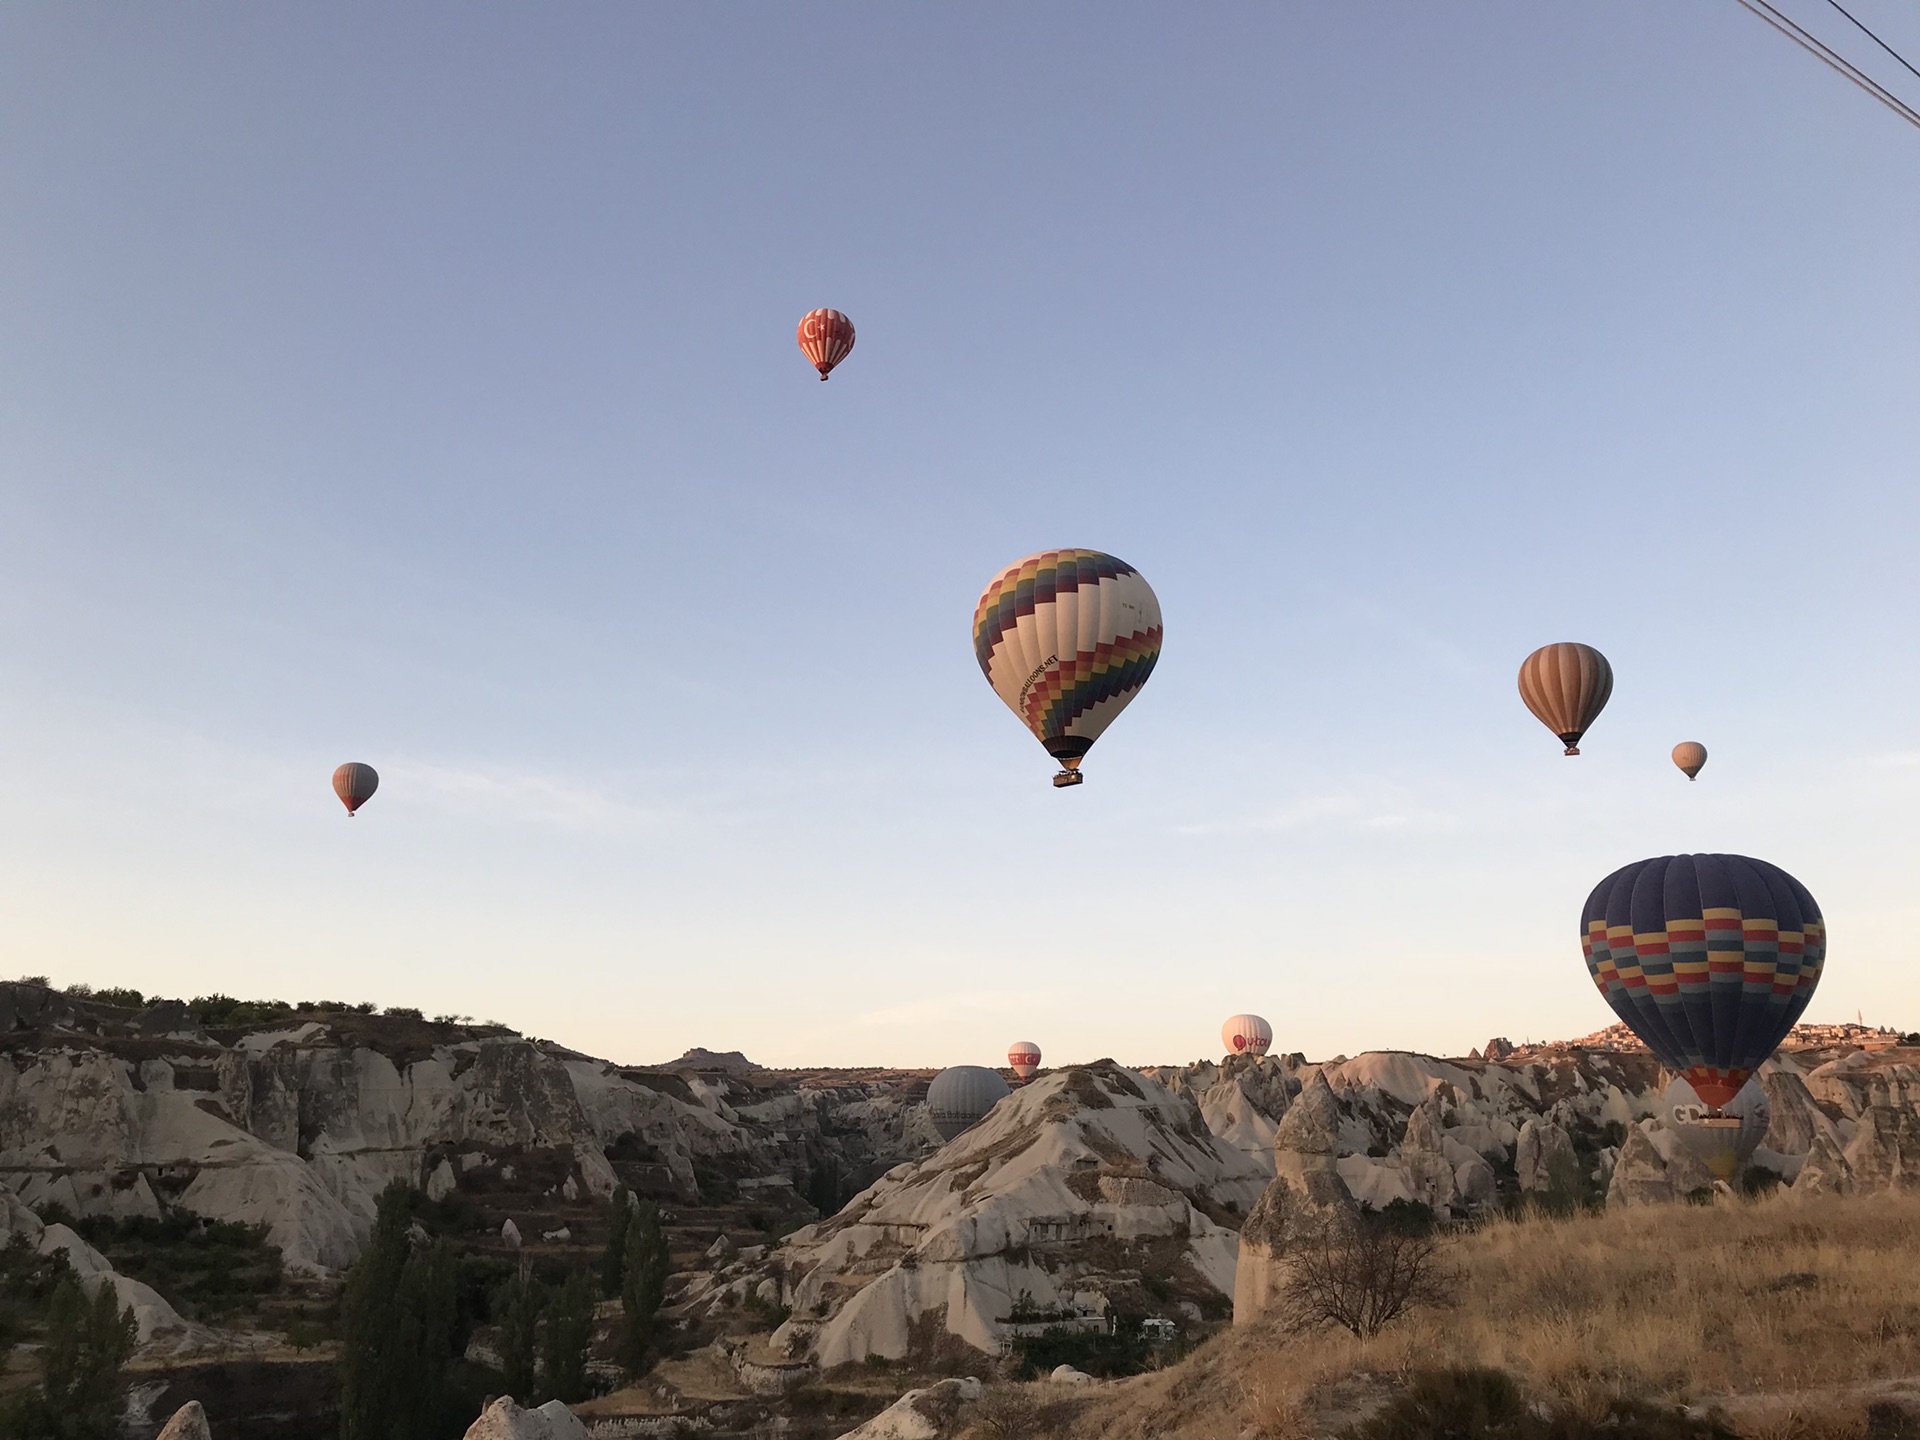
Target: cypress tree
{"points": [[646, 1280], [396, 1330], [568, 1334], [613, 1268], [430, 1307], [87, 1343], [516, 1310], [373, 1370]]}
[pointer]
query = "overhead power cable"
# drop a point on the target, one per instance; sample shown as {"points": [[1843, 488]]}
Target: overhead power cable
{"points": [[1835, 59], [1875, 38]]}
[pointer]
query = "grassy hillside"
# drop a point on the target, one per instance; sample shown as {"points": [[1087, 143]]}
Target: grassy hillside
{"points": [[1792, 1316]]}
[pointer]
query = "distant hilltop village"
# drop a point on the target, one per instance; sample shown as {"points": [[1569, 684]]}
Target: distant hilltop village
{"points": [[1618, 1038]]}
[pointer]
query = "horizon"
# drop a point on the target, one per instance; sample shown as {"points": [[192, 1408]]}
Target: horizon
{"points": [[420, 389]]}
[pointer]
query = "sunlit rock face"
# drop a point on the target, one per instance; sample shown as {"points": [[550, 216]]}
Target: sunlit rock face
{"points": [[299, 1125], [1071, 1194]]}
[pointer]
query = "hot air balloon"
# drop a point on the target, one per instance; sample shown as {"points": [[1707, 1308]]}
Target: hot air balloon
{"points": [[355, 783], [1709, 959], [1723, 1142], [1023, 1058], [1566, 687], [1690, 755], [961, 1095], [1067, 638], [1246, 1035], [826, 338]]}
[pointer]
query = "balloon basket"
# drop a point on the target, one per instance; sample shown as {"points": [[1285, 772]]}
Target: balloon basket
{"points": [[1066, 778]]}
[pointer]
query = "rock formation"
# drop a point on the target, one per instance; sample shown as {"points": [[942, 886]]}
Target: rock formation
{"points": [[1653, 1170], [1284, 1213], [1048, 1211], [1540, 1151], [505, 1420], [298, 1126], [920, 1414], [189, 1422], [1245, 1104], [1884, 1153], [1824, 1170]]}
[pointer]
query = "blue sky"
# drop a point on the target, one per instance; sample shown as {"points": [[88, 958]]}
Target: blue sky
{"points": [[417, 385]]}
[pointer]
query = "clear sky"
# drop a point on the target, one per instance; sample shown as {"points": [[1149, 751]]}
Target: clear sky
{"points": [[416, 384]]}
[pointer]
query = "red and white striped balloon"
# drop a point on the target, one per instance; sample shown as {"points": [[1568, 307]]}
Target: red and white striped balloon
{"points": [[826, 338], [1023, 1058]]}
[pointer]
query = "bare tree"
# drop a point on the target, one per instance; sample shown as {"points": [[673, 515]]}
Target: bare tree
{"points": [[1362, 1273]]}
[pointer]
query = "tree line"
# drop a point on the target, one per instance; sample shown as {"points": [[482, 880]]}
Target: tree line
{"points": [[399, 1333]]}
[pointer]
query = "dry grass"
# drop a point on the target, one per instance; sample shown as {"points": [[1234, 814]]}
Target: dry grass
{"points": [[1791, 1305]]}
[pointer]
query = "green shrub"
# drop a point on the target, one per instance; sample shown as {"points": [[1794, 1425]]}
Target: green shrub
{"points": [[1094, 1351]]}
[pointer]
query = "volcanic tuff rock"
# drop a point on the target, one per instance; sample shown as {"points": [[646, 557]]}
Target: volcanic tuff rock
{"points": [[1824, 1170], [189, 1422], [299, 1125], [1050, 1210], [920, 1414], [1541, 1148], [505, 1420], [1643, 1174]]}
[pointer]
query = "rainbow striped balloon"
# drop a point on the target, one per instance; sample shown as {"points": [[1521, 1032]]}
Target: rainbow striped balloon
{"points": [[1067, 638]]}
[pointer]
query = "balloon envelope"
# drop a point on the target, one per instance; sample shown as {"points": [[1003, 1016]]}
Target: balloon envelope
{"points": [[355, 783], [1246, 1035], [1566, 687], [960, 1097], [1023, 1058], [1067, 638], [826, 338], [1723, 1148], [1690, 755], [1709, 959]]}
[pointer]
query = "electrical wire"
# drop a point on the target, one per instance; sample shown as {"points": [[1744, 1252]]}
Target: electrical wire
{"points": [[1875, 38], [1834, 59]]}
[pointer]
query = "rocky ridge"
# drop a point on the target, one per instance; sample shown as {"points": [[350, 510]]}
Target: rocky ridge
{"points": [[298, 1127], [1088, 1190]]}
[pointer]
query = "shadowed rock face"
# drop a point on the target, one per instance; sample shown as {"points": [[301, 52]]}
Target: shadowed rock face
{"points": [[1645, 1175], [1541, 1149]]}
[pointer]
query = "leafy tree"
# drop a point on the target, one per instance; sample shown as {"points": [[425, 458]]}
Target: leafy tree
{"points": [[516, 1310], [87, 1342], [613, 1268], [645, 1285], [396, 1330], [568, 1333]]}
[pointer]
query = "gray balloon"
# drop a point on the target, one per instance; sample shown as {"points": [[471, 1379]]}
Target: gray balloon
{"points": [[1723, 1148], [960, 1097]]}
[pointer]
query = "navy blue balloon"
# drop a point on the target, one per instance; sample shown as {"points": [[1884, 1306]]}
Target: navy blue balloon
{"points": [[1709, 959]]}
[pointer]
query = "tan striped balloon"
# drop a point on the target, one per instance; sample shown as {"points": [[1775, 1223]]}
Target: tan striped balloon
{"points": [[1566, 687], [1690, 755], [826, 338]]}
